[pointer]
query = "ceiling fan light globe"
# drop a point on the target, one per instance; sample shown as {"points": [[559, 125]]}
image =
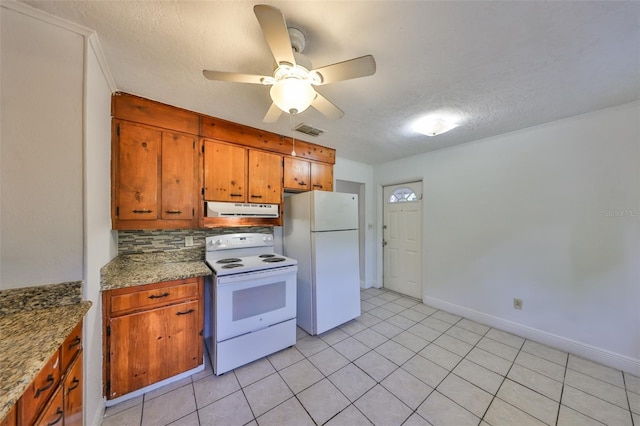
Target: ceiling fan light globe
{"points": [[292, 94]]}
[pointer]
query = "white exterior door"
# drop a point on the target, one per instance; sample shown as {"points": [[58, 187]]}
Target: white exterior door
{"points": [[402, 239]]}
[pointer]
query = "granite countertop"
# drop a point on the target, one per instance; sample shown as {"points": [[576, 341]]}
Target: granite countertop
{"points": [[34, 322], [138, 269]]}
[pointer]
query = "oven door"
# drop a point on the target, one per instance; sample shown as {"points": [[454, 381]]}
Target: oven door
{"points": [[254, 300]]}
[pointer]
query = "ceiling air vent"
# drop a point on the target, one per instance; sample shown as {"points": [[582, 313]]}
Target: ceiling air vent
{"points": [[309, 130]]}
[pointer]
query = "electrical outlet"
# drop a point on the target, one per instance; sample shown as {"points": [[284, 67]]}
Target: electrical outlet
{"points": [[188, 241], [517, 303]]}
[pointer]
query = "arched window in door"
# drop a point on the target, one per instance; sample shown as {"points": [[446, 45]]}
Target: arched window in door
{"points": [[402, 195]]}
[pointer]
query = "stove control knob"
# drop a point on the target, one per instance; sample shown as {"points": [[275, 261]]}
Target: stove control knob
{"points": [[268, 238]]}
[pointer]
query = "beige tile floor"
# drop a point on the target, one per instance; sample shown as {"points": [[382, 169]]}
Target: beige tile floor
{"points": [[400, 363]]}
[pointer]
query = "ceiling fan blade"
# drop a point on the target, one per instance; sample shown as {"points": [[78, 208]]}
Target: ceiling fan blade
{"points": [[353, 68], [273, 114], [325, 106], [234, 77], [275, 32]]}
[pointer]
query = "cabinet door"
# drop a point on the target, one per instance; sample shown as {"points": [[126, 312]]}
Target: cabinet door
{"points": [[53, 414], [150, 346], [138, 172], [73, 394], [296, 174], [225, 172], [10, 419], [178, 176], [321, 177], [265, 177]]}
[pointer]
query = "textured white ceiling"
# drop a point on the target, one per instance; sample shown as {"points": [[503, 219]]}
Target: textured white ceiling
{"points": [[502, 65]]}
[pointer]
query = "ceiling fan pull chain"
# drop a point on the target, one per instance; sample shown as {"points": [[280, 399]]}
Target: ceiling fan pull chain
{"points": [[293, 137]]}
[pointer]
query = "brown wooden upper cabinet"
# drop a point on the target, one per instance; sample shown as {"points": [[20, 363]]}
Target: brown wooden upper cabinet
{"points": [[303, 175], [225, 172], [296, 174], [154, 178], [239, 174], [321, 176]]}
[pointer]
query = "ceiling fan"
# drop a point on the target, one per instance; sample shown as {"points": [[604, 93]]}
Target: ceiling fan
{"points": [[293, 78]]}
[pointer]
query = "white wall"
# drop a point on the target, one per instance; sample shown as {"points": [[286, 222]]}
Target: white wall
{"points": [[41, 143], [353, 171], [56, 97], [100, 241], [549, 214]]}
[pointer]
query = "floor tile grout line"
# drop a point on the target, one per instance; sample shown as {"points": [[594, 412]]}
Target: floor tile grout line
{"points": [[624, 382], [494, 396], [397, 367], [451, 325]]}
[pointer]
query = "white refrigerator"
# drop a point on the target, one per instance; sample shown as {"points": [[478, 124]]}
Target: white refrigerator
{"points": [[320, 231]]}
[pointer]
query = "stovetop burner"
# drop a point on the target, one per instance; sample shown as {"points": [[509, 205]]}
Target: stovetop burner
{"points": [[240, 253], [232, 265], [230, 260]]}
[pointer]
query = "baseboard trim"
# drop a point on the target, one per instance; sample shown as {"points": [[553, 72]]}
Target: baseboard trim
{"points": [[593, 353], [112, 402], [98, 417]]}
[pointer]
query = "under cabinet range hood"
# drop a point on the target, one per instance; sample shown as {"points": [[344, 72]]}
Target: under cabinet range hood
{"points": [[220, 209]]}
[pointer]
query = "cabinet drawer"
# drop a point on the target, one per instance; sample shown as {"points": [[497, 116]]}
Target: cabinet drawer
{"points": [[39, 391], [71, 346], [171, 292], [53, 415]]}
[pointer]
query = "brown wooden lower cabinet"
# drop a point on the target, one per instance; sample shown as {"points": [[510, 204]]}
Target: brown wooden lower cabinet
{"points": [[55, 396], [53, 413], [11, 418], [73, 392], [152, 332]]}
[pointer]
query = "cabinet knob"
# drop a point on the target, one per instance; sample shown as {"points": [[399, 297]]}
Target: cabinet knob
{"points": [[142, 211], [173, 211]]}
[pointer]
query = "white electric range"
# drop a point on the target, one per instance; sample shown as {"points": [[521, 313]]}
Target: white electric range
{"points": [[252, 299]]}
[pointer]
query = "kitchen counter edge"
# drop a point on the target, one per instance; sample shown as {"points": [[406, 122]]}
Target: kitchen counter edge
{"points": [[27, 340], [140, 269]]}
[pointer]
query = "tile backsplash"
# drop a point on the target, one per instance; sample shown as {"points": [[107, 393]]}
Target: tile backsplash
{"points": [[158, 240]]}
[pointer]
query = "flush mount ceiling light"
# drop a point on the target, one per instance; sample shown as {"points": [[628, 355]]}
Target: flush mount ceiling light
{"points": [[436, 124]]}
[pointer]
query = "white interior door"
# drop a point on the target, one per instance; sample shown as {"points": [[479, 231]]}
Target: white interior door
{"points": [[402, 239]]}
